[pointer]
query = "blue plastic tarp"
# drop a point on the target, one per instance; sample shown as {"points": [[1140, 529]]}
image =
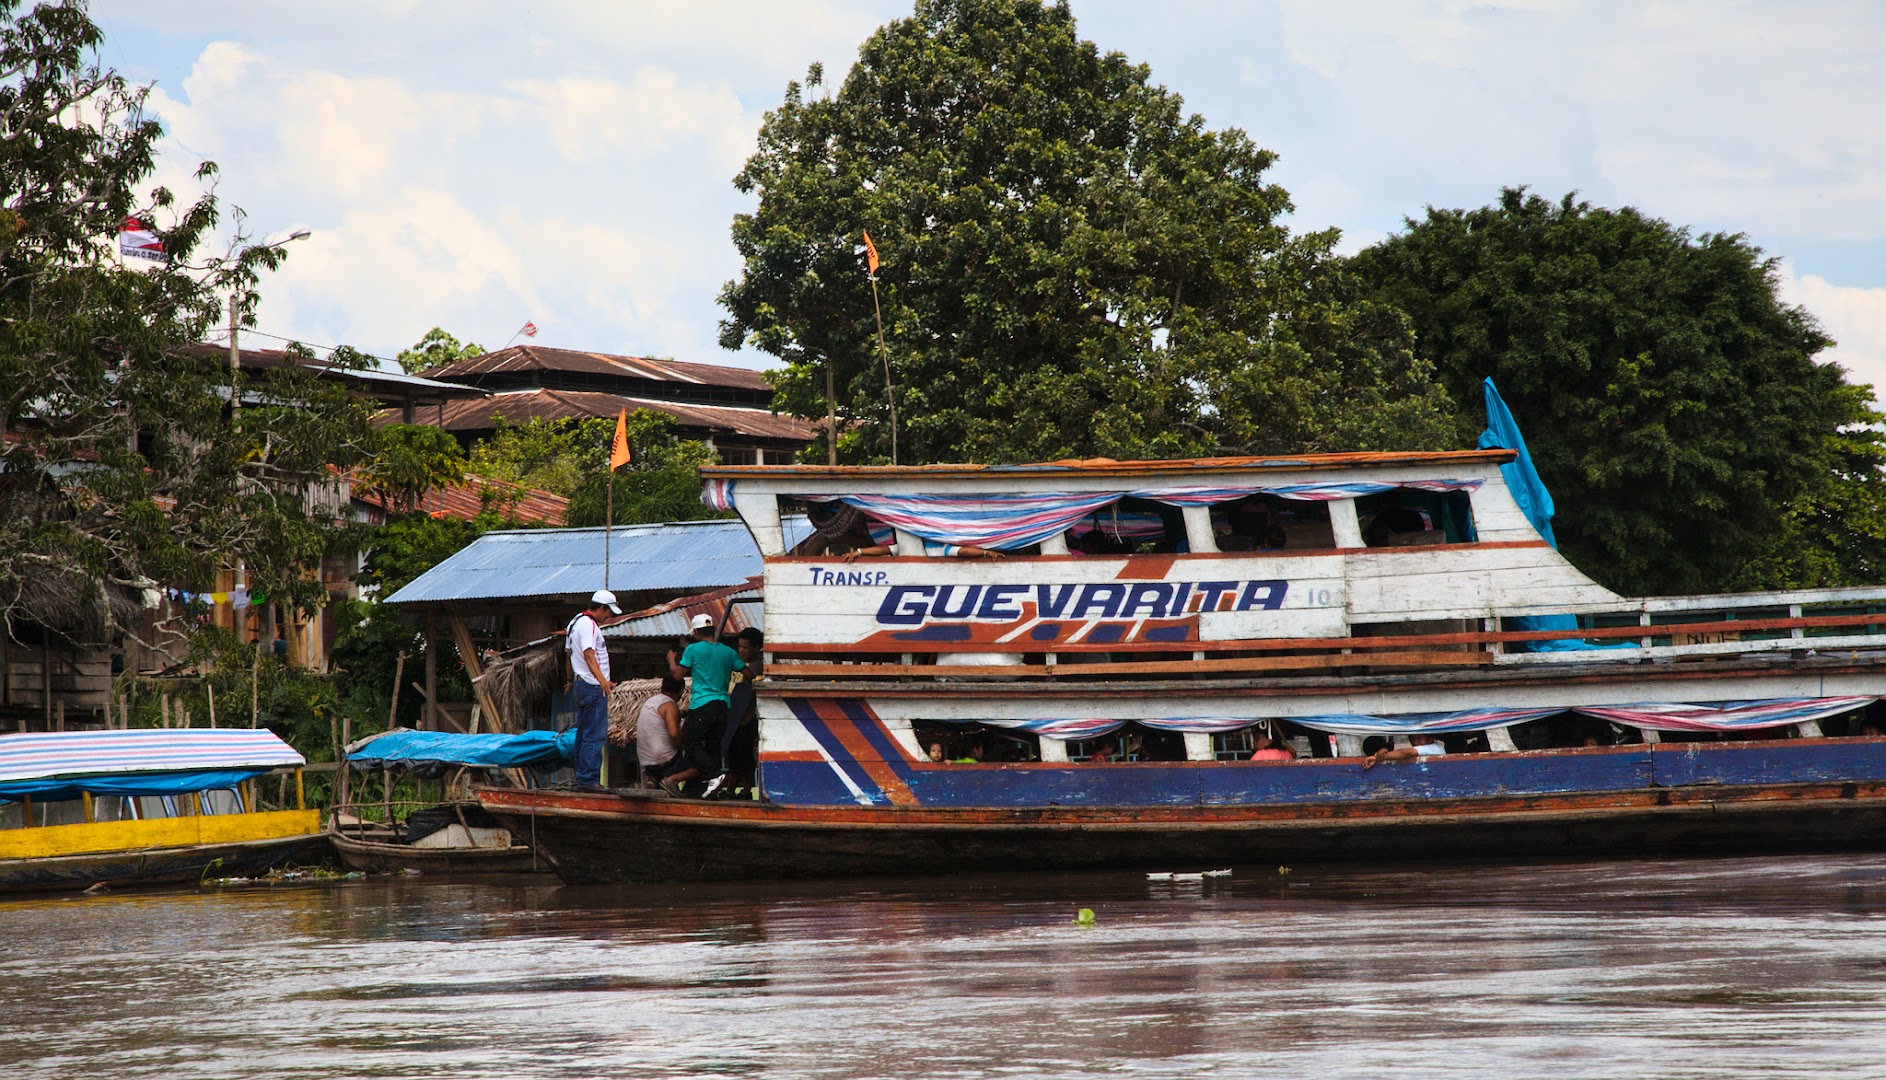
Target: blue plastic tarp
{"points": [[1522, 479], [403, 747]]}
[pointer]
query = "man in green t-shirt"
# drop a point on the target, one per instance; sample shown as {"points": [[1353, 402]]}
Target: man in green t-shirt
{"points": [[712, 666]]}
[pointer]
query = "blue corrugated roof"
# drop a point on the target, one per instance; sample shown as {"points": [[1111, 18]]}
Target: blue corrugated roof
{"points": [[685, 556]]}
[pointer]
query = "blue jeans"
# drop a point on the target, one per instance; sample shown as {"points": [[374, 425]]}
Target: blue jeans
{"points": [[592, 728]]}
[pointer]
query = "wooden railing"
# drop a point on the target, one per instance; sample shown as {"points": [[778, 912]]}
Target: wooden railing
{"points": [[1799, 632]]}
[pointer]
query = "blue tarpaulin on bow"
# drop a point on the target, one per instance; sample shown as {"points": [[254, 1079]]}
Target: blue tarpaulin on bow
{"points": [[402, 747]]}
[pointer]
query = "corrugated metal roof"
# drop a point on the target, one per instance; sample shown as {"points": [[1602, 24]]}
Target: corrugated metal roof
{"points": [[679, 557], [466, 501], [519, 406], [733, 609], [542, 358]]}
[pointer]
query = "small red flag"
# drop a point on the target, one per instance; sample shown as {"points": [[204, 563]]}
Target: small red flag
{"points": [[870, 255], [529, 329]]}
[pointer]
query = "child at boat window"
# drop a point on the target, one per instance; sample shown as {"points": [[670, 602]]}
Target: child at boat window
{"points": [[1422, 746], [844, 531], [1265, 748]]}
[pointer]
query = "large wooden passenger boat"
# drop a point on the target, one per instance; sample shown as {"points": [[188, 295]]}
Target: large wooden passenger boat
{"points": [[1090, 694], [83, 808]]}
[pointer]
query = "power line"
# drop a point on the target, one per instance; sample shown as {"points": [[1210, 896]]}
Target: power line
{"points": [[223, 332]]}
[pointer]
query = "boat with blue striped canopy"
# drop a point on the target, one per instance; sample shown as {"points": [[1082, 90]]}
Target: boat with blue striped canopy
{"points": [[81, 808], [1244, 660]]}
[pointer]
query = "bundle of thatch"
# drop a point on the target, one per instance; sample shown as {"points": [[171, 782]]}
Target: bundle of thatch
{"points": [[625, 705], [517, 681]]}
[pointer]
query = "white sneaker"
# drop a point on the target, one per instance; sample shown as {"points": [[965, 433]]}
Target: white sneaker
{"points": [[713, 786]]}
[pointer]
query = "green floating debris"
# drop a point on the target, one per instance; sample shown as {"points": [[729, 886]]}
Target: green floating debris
{"points": [[1085, 918]]}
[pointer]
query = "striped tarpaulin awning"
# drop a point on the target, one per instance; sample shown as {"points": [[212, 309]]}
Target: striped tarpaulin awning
{"points": [[45, 754]]}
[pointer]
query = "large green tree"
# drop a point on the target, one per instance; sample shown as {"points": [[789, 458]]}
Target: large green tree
{"points": [[1672, 401], [1070, 264], [124, 466]]}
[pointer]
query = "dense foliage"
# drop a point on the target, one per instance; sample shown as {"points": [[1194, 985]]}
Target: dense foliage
{"points": [[124, 466], [410, 460], [571, 458], [1070, 264], [436, 349], [1672, 401]]}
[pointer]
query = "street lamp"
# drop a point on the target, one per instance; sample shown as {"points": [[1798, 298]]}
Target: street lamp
{"points": [[235, 348]]}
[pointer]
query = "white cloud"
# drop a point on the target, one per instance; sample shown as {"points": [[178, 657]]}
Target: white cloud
{"points": [[654, 112], [1855, 318], [462, 168]]}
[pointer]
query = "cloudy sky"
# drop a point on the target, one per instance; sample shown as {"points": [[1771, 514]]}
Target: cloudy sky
{"points": [[476, 164]]}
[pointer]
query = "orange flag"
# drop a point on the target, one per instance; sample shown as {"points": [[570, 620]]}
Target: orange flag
{"points": [[870, 255], [619, 453]]}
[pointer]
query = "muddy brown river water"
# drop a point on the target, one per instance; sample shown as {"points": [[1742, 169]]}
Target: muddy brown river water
{"points": [[1706, 968]]}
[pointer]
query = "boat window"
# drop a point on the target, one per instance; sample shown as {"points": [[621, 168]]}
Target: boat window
{"points": [[1269, 523], [969, 744], [1132, 742], [157, 806], [1859, 724], [222, 801], [1232, 745], [12, 815], [113, 808], [1130, 526], [838, 529], [59, 812], [1406, 517], [1568, 730]]}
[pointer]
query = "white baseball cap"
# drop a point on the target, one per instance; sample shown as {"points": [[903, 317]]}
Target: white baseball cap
{"points": [[702, 621], [606, 599]]}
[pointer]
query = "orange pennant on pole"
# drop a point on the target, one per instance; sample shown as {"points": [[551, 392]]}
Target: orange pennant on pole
{"points": [[870, 255], [619, 454]]}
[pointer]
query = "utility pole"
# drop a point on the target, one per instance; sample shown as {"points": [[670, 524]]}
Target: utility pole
{"points": [[235, 359]]}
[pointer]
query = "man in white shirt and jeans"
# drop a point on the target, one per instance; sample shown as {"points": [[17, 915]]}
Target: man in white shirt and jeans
{"points": [[589, 666]]}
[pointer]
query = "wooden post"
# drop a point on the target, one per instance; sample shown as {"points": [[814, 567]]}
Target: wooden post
{"points": [[831, 415], [432, 672], [60, 721], [342, 782], [399, 675], [475, 669], [301, 791], [255, 687], [163, 708], [90, 811], [209, 688]]}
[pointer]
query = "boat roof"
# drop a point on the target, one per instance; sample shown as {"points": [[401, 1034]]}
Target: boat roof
{"points": [[1108, 467], [44, 755]]}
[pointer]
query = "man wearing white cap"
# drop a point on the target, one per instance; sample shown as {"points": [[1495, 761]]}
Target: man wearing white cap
{"points": [[589, 665], [712, 666]]}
